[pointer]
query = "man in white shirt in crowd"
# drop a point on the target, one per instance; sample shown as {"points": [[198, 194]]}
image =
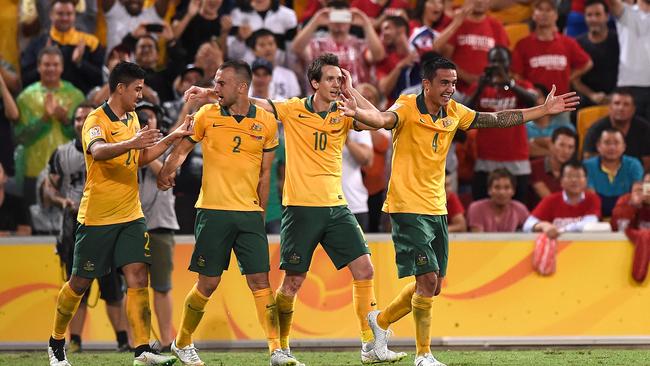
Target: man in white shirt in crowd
{"points": [[357, 153]]}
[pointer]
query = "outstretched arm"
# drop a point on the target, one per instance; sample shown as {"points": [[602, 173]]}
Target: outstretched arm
{"points": [[167, 174], [509, 118], [373, 119], [207, 95], [153, 152]]}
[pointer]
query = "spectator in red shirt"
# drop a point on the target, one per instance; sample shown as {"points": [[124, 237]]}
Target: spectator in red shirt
{"points": [[499, 213], [569, 210], [354, 54], [546, 171], [504, 148], [379, 10], [547, 57], [456, 222], [633, 209], [470, 45]]}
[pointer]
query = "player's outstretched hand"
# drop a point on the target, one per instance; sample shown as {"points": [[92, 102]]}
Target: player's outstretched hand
{"points": [[145, 138], [197, 93], [348, 105], [167, 181], [561, 103], [185, 129]]}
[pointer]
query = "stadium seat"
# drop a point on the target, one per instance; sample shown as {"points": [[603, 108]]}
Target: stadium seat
{"points": [[585, 118], [515, 32]]}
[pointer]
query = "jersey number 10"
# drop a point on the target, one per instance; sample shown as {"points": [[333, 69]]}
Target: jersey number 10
{"points": [[320, 140]]}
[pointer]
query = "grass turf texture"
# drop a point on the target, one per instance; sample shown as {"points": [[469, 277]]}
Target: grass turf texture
{"points": [[554, 357]]}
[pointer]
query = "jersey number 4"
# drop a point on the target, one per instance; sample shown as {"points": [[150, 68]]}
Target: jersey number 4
{"points": [[434, 143]]}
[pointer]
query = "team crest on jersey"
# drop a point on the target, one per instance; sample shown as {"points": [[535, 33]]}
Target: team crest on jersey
{"points": [[446, 122], [256, 127], [294, 258], [421, 259], [94, 132], [200, 261], [335, 120], [89, 266]]}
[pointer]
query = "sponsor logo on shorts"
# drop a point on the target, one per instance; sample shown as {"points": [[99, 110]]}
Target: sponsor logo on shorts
{"points": [[89, 266], [421, 259], [294, 258], [200, 261]]}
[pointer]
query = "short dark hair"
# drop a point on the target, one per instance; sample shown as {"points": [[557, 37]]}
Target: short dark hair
{"points": [[624, 91], [125, 72], [152, 38], [566, 131], [241, 68], [499, 174], [610, 130], [85, 104], [251, 41], [595, 2], [398, 22], [49, 50], [315, 69], [573, 163], [338, 4], [73, 2], [552, 3], [429, 68]]}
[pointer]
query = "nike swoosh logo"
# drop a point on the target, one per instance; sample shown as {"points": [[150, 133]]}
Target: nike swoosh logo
{"points": [[373, 304], [300, 115], [422, 121], [114, 133], [270, 306], [217, 125]]}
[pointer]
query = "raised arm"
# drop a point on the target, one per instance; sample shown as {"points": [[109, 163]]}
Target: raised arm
{"points": [[372, 118], [102, 150], [206, 95], [508, 118], [153, 152]]}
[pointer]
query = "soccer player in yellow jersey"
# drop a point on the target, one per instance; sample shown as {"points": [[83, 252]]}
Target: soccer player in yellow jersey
{"points": [[238, 140], [423, 126], [112, 231], [316, 211]]}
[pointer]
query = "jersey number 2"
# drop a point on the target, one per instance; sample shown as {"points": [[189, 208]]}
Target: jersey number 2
{"points": [[237, 141]]}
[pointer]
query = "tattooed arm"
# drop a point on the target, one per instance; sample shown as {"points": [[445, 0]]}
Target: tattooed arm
{"points": [[509, 118]]}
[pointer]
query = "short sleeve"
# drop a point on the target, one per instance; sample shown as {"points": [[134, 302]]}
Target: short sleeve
{"points": [[543, 209], [281, 108], [200, 120], [466, 116], [401, 110], [594, 207], [454, 206], [271, 139], [93, 131], [579, 58]]}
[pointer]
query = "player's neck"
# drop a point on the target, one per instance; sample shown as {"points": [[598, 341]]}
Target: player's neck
{"points": [[432, 108], [319, 104], [240, 108], [117, 107], [545, 33]]}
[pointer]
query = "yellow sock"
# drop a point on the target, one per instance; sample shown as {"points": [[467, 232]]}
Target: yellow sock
{"points": [[398, 308], [363, 299], [193, 311], [422, 315], [267, 314], [66, 305], [285, 316], [138, 314]]}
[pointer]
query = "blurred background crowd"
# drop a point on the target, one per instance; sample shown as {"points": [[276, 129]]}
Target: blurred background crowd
{"points": [[553, 174]]}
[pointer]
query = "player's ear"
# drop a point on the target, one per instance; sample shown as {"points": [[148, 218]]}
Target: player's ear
{"points": [[314, 84]]}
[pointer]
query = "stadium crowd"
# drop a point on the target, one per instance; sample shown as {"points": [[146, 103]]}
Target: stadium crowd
{"points": [[56, 55]]}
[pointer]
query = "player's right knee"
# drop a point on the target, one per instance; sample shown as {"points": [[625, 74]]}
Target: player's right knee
{"points": [[79, 284], [292, 283], [208, 285]]}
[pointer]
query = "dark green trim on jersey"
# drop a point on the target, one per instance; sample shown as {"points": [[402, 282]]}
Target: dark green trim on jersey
{"points": [[271, 148], [113, 117], [91, 144], [422, 107], [190, 139], [250, 114], [396, 120], [275, 111], [309, 105], [473, 124]]}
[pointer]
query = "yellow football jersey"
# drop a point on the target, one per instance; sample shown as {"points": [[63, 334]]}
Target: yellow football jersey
{"points": [[111, 192], [232, 147], [420, 145], [314, 153]]}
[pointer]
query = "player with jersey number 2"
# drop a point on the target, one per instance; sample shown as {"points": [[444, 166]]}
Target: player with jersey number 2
{"points": [[423, 127]]}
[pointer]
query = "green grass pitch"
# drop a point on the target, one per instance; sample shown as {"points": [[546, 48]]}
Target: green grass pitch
{"points": [[550, 357]]}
